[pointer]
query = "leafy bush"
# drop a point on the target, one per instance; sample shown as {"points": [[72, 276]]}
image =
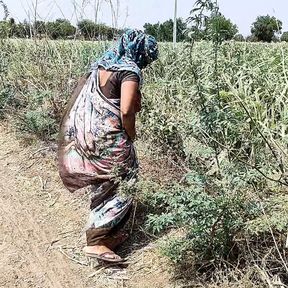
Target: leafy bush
{"points": [[284, 36], [7, 101], [210, 220], [39, 123], [239, 38]]}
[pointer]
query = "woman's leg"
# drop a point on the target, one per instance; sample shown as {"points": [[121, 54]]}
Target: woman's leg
{"points": [[108, 215]]}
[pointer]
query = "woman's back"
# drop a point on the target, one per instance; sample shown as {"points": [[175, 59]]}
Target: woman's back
{"points": [[110, 82], [93, 142]]}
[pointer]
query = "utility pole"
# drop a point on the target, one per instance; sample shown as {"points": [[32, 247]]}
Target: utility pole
{"points": [[175, 25]]}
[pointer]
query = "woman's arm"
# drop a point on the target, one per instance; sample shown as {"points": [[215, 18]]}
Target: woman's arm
{"points": [[129, 105]]}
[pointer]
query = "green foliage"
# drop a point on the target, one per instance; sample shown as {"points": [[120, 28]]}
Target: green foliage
{"points": [[61, 28], [39, 123], [58, 29], [22, 30], [212, 107], [213, 26], [36, 118], [265, 27], [226, 114], [37, 78], [7, 101], [284, 36], [274, 216], [90, 30], [239, 38], [39, 28], [203, 127], [251, 38], [210, 222], [4, 29], [219, 26], [163, 32]]}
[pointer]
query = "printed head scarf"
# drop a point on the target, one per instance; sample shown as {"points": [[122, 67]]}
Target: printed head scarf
{"points": [[133, 52]]}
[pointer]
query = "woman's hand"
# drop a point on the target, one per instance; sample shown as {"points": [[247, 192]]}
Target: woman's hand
{"points": [[130, 104]]}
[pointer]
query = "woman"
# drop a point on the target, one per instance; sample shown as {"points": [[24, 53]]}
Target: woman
{"points": [[96, 140]]}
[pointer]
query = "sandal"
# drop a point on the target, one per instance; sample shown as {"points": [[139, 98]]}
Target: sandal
{"points": [[103, 256]]}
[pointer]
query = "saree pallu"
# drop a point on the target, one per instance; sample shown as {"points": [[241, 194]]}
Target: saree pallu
{"points": [[94, 152]]}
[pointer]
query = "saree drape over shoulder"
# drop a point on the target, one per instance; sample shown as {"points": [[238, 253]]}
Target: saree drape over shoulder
{"points": [[93, 145]]}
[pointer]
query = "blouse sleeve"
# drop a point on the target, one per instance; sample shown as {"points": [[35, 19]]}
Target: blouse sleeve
{"points": [[128, 76]]}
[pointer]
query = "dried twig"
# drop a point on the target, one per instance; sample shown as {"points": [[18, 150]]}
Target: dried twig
{"points": [[133, 218], [73, 259], [274, 240], [264, 276]]}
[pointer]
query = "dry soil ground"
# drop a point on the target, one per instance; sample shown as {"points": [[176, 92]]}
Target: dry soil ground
{"points": [[41, 229]]}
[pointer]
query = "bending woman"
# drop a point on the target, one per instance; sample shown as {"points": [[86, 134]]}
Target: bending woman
{"points": [[96, 139]]}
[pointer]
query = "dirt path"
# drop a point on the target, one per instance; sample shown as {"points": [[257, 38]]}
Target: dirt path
{"points": [[41, 229]]}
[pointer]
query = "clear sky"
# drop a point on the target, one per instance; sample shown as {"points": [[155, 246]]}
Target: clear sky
{"points": [[134, 13]]}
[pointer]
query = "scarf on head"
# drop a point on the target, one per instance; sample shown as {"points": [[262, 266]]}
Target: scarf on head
{"points": [[133, 52]]}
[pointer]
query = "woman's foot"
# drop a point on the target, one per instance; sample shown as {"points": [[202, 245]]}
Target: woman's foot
{"points": [[102, 252], [104, 248]]}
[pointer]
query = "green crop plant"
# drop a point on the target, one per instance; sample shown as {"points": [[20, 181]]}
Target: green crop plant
{"points": [[217, 109]]}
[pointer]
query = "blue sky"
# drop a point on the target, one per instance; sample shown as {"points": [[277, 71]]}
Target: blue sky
{"points": [[134, 13]]}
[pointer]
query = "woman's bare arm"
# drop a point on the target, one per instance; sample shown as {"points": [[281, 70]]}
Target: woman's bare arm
{"points": [[128, 106]]}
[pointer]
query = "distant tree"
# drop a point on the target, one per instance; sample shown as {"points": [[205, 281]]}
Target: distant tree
{"points": [[90, 30], [284, 36], [181, 29], [217, 28], [20, 31], [39, 28], [196, 34], [52, 30], [152, 29], [61, 28], [23, 30], [251, 38], [265, 28], [166, 31], [239, 38], [4, 29], [163, 32], [107, 33], [7, 28], [87, 28], [12, 25], [220, 27]]}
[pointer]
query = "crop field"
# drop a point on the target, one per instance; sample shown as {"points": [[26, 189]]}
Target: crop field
{"points": [[213, 125]]}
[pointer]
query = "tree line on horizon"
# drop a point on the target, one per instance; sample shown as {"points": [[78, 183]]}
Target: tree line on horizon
{"points": [[265, 29], [58, 29]]}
